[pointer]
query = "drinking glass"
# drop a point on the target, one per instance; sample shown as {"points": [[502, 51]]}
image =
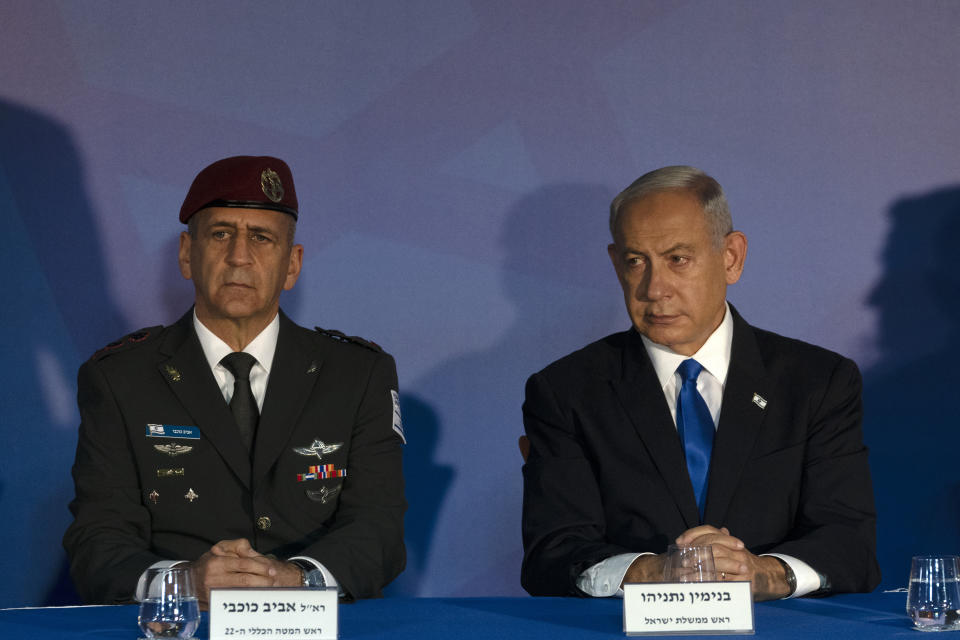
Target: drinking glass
{"points": [[171, 608], [933, 600], [689, 564]]}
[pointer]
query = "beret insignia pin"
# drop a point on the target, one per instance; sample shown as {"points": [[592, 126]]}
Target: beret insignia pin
{"points": [[271, 185]]}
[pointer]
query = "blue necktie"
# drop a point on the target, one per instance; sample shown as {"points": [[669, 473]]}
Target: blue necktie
{"points": [[696, 429]]}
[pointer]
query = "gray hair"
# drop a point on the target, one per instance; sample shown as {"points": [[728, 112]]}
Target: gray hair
{"points": [[679, 178]]}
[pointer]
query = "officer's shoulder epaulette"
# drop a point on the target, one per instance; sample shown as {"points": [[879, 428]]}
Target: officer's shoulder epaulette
{"points": [[127, 342], [340, 336]]}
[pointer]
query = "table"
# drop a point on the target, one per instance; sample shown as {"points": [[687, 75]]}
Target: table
{"points": [[852, 617]]}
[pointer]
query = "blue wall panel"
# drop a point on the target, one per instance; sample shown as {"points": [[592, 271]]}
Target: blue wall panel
{"points": [[454, 161]]}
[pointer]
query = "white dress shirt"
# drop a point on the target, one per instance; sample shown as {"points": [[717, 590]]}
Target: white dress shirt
{"points": [[604, 578], [262, 349]]}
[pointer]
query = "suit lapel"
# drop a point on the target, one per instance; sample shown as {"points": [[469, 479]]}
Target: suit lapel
{"points": [[740, 420], [189, 377], [642, 397], [292, 378]]}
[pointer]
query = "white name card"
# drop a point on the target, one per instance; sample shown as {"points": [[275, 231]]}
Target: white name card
{"points": [[288, 613], [687, 608]]}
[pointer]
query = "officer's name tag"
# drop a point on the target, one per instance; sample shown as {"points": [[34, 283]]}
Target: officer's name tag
{"points": [[687, 608], [289, 613], [173, 431]]}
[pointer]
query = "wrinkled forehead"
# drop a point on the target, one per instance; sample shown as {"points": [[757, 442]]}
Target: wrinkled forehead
{"points": [[241, 218]]}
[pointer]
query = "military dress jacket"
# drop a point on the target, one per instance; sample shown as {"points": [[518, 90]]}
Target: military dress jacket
{"points": [[161, 472], [607, 474]]}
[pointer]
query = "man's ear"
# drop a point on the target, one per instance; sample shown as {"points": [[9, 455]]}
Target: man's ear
{"points": [[293, 269], [734, 255], [183, 256]]}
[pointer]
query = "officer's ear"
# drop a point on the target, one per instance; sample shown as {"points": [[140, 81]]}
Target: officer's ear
{"points": [[183, 257]]}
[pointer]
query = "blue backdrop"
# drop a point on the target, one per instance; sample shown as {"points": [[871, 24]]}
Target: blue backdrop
{"points": [[454, 161]]}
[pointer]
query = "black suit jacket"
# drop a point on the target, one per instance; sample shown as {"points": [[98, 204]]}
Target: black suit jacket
{"points": [[607, 475], [133, 506]]}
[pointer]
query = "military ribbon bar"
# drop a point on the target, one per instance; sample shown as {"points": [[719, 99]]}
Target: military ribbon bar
{"points": [[320, 472]]}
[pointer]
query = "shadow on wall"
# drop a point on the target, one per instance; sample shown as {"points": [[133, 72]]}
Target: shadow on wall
{"points": [[910, 396], [43, 171], [426, 487], [56, 273], [561, 294]]}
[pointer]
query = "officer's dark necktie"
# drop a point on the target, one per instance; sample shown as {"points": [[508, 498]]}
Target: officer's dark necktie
{"points": [[696, 429], [242, 403]]}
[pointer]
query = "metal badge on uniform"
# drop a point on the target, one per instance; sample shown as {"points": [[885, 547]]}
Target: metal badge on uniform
{"points": [[170, 473], [154, 496], [173, 374], [313, 367], [173, 431], [759, 401], [271, 185], [322, 494], [191, 495], [173, 449], [397, 420], [318, 448]]}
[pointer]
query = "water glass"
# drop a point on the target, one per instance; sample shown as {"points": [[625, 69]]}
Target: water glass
{"points": [[933, 600], [689, 564], [171, 608]]}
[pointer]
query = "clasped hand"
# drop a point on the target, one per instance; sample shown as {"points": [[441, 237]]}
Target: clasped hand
{"points": [[731, 558], [234, 563]]}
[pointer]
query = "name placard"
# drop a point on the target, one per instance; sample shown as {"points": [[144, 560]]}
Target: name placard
{"points": [[289, 613], [687, 608]]}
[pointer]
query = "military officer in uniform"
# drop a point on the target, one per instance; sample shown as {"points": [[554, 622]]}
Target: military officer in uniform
{"points": [[261, 452]]}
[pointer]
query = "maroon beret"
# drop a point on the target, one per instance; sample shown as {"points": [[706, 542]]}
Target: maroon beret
{"points": [[249, 182]]}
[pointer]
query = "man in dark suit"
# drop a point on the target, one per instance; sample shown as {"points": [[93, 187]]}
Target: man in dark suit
{"points": [[693, 427], [263, 453]]}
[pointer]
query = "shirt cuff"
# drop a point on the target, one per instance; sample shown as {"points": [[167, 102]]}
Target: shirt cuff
{"points": [[808, 580], [327, 576], [603, 579], [141, 593]]}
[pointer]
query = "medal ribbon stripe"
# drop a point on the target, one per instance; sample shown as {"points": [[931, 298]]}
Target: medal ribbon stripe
{"points": [[321, 472], [321, 468]]}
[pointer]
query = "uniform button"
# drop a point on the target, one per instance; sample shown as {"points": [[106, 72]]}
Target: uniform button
{"points": [[263, 523]]}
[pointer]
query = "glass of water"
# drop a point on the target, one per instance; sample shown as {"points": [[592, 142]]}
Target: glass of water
{"points": [[171, 608], [689, 564], [933, 601]]}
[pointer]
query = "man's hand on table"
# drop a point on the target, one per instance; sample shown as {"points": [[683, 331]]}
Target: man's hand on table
{"points": [[234, 563], [731, 559]]}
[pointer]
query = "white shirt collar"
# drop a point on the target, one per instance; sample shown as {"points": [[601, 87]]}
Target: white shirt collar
{"points": [[714, 355], [262, 347]]}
